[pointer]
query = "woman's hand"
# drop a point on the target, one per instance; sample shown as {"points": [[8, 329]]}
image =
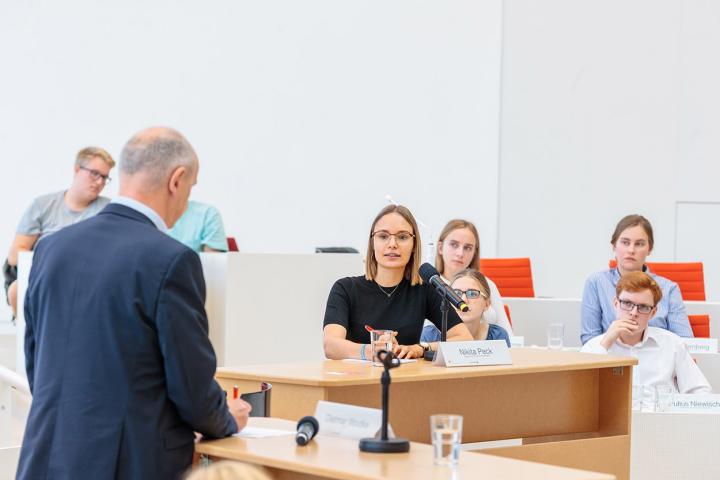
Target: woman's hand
{"points": [[409, 351]]}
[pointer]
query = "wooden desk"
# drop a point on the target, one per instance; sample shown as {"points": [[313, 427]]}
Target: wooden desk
{"points": [[571, 409], [329, 457]]}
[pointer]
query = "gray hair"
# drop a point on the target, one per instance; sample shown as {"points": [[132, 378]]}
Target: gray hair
{"points": [[157, 152]]}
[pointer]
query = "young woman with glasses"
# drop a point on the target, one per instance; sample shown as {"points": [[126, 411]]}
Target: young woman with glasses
{"points": [[458, 248], [473, 287], [631, 242], [390, 296]]}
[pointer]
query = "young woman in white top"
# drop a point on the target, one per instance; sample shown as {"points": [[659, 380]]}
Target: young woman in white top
{"points": [[458, 248]]}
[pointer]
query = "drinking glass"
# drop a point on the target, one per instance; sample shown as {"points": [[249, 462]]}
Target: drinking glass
{"points": [[555, 335], [446, 431], [663, 397], [380, 340]]}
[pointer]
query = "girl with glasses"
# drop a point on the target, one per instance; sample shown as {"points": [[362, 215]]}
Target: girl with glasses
{"points": [[473, 287], [390, 296], [458, 248], [632, 241]]}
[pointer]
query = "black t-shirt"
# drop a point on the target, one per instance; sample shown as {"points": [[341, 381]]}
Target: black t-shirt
{"points": [[355, 302]]}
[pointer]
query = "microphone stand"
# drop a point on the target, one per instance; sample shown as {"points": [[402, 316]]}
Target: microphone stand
{"points": [[385, 444], [444, 309]]}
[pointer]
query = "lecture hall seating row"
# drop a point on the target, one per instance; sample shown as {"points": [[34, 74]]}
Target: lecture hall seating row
{"points": [[513, 277]]}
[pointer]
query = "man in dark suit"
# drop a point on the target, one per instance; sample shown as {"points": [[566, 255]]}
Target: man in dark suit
{"points": [[117, 350]]}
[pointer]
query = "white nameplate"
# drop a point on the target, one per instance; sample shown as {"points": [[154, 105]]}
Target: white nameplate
{"points": [[479, 352], [701, 345], [701, 402], [348, 421], [516, 341]]}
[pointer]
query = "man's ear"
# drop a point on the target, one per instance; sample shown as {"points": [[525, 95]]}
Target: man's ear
{"points": [[176, 177]]}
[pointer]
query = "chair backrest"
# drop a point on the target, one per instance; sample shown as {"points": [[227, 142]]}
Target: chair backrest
{"points": [[260, 401], [232, 245], [513, 276], [700, 325], [689, 276], [335, 250], [507, 312]]}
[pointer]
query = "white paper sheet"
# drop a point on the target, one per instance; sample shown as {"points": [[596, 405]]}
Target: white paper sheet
{"points": [[258, 432]]}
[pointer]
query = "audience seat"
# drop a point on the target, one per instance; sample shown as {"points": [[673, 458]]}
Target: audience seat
{"points": [[700, 325], [688, 275], [513, 276], [232, 245]]}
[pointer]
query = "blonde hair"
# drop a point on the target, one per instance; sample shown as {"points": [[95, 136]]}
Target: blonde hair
{"points": [[478, 277], [227, 470], [88, 153], [412, 272], [451, 226]]}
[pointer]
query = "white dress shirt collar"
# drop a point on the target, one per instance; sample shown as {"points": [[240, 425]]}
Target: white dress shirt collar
{"points": [[648, 335], [140, 207]]}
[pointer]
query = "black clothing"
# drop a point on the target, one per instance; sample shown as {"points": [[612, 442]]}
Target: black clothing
{"points": [[355, 302], [10, 274]]}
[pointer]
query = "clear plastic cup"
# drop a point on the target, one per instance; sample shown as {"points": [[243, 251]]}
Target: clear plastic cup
{"points": [[446, 431], [555, 336], [380, 340], [663, 397]]}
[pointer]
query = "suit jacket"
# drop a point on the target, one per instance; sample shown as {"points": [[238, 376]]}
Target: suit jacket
{"points": [[117, 353]]}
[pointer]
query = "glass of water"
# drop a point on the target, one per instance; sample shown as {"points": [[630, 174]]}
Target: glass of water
{"points": [[663, 397], [446, 431], [555, 336], [380, 340]]}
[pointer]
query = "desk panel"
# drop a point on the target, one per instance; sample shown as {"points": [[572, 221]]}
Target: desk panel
{"points": [[531, 317], [544, 394], [331, 457]]}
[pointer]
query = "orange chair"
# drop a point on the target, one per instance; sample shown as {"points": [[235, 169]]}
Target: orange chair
{"points": [[700, 325], [232, 245], [689, 277], [507, 312], [513, 276]]}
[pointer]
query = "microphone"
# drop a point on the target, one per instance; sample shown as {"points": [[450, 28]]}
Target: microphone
{"points": [[307, 428], [430, 275]]}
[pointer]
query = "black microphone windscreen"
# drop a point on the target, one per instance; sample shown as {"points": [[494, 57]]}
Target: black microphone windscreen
{"points": [[427, 271], [311, 420]]}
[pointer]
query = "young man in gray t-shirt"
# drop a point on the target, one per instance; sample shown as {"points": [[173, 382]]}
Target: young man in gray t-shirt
{"points": [[49, 213]]}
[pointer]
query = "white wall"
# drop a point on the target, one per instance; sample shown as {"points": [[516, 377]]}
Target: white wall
{"points": [[304, 114], [608, 108]]}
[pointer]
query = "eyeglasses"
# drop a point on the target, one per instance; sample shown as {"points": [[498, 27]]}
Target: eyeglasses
{"points": [[470, 293], [628, 306], [402, 238], [95, 175]]}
